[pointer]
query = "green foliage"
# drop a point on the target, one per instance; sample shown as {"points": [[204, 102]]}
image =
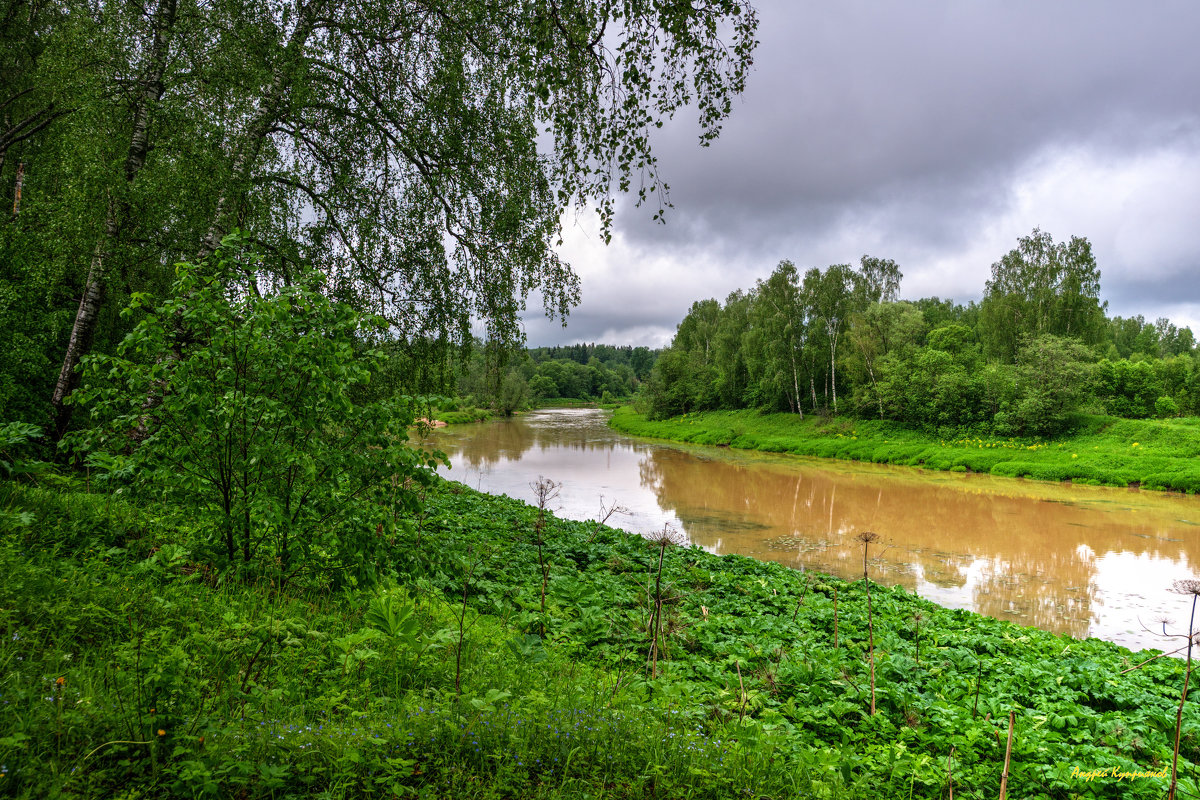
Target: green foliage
{"points": [[1051, 376], [506, 379], [135, 155], [1102, 450], [1166, 407], [1041, 288], [513, 393], [130, 670], [256, 429], [17, 441], [678, 384], [1018, 365]]}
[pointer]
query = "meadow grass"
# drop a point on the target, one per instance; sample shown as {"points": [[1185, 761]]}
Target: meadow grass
{"points": [[1153, 454]]}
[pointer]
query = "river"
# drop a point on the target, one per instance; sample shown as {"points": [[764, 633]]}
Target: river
{"points": [[1080, 560]]}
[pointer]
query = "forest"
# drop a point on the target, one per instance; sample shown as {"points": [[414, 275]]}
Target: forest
{"points": [[1035, 352]]}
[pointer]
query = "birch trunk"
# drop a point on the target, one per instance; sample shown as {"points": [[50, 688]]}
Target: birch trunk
{"points": [[271, 108], [84, 327], [796, 387]]}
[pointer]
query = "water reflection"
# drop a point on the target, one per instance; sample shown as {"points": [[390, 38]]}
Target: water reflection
{"points": [[1078, 560]]}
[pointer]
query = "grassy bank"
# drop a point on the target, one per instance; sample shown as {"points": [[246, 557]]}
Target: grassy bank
{"points": [[128, 668], [1155, 454], [572, 402], [461, 413]]}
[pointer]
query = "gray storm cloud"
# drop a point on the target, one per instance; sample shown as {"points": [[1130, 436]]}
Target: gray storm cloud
{"points": [[934, 133]]}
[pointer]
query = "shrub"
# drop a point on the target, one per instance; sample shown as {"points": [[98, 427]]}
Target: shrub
{"points": [[253, 423], [1166, 407]]}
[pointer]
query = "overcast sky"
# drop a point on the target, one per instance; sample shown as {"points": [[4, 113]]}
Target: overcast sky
{"points": [[932, 132]]}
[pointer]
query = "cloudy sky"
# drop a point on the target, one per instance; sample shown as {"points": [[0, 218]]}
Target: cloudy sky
{"points": [[932, 132]]}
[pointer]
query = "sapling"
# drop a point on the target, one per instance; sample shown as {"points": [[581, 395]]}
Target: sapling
{"points": [[978, 681], [868, 538], [469, 568], [835, 618], [1007, 756], [741, 690], [917, 620], [800, 600]]}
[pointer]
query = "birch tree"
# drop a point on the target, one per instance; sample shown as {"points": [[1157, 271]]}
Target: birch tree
{"points": [[148, 91], [422, 153], [778, 336]]}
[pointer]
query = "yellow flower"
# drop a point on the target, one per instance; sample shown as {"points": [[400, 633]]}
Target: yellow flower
{"points": [[1135, 444], [60, 681], [162, 732]]}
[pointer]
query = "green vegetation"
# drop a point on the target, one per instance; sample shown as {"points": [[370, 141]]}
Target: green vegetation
{"points": [[452, 411], [461, 416], [132, 667], [1027, 361], [137, 136], [239, 579], [1155, 454], [582, 374]]}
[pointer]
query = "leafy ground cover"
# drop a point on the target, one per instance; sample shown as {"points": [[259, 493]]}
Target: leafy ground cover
{"points": [[1155, 454], [483, 669]]}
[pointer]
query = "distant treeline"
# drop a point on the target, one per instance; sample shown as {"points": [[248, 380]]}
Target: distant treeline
{"points": [[1036, 350], [507, 380]]}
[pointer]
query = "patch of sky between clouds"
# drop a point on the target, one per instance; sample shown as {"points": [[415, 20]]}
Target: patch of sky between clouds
{"points": [[1137, 209]]}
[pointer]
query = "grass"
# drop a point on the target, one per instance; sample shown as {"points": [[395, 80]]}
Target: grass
{"points": [[128, 669], [462, 415], [1153, 454], [574, 402]]}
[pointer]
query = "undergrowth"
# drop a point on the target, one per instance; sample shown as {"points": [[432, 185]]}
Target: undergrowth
{"points": [[128, 669]]}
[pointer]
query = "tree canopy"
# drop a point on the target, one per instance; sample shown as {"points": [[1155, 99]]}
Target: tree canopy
{"points": [[419, 154], [1026, 361]]}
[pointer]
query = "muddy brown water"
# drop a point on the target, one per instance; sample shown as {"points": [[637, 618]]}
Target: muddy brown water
{"points": [[1080, 560]]}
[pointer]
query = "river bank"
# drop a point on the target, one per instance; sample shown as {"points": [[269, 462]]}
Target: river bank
{"points": [[1082, 560], [488, 666], [1103, 451]]}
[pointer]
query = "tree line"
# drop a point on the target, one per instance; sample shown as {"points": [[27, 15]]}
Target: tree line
{"points": [[505, 380], [1035, 351]]}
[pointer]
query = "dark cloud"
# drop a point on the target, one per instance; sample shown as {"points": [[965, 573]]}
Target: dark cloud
{"points": [[928, 132]]}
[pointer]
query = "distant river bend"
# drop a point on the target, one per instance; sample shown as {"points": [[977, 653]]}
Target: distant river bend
{"points": [[1086, 561]]}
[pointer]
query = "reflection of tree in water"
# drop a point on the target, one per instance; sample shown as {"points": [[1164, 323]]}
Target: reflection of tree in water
{"points": [[1010, 556]]}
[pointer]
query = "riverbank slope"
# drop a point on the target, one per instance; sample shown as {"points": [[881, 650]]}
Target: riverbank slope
{"points": [[596, 664], [1153, 454]]}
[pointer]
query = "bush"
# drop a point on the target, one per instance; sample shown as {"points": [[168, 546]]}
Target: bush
{"points": [[253, 425], [1166, 407]]}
